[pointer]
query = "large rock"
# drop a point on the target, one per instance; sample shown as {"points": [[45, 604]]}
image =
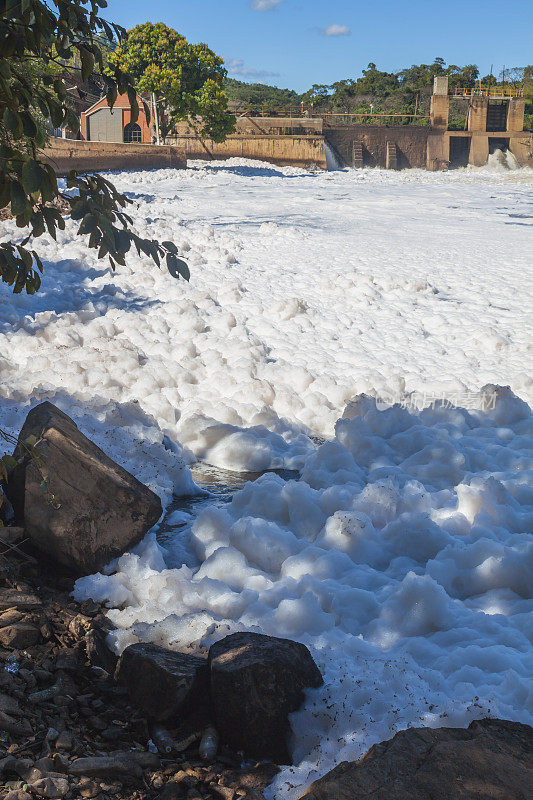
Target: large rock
{"points": [[161, 682], [256, 682], [91, 509], [19, 636], [491, 759]]}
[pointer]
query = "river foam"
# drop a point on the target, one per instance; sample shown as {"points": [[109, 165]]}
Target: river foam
{"points": [[327, 316]]}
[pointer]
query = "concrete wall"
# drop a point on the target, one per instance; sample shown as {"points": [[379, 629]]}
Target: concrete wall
{"points": [[266, 126], [410, 140], [67, 154], [298, 151]]}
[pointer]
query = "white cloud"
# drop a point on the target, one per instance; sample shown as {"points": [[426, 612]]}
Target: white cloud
{"points": [[264, 5], [336, 30], [236, 66]]}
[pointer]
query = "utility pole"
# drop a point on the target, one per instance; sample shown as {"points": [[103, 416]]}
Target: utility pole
{"points": [[156, 119]]}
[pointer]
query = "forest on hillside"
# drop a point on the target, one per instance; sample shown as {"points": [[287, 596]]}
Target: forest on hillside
{"points": [[405, 92]]}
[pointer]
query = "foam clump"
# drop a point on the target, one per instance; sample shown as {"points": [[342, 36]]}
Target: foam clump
{"points": [[402, 558]]}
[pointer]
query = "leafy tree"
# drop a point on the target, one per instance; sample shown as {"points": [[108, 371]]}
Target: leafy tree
{"points": [[260, 96], [376, 82], [318, 93], [189, 78], [344, 92], [465, 77], [35, 33], [489, 80]]}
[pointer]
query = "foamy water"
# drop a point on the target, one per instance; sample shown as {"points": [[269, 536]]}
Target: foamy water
{"points": [[502, 160], [403, 555]]}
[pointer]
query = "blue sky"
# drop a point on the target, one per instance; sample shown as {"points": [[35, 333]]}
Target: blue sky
{"points": [[295, 43]]}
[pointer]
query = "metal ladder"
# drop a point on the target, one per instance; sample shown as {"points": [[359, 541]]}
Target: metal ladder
{"points": [[357, 155], [392, 156]]}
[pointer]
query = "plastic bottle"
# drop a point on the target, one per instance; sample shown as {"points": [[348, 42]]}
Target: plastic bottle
{"points": [[163, 739], [209, 744]]}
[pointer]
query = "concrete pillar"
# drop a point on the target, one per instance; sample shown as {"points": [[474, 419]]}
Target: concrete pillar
{"points": [[440, 104], [479, 150], [515, 114], [440, 85], [438, 152], [477, 114], [522, 148]]}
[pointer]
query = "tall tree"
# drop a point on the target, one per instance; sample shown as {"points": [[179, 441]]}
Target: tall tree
{"points": [[188, 78], [35, 35]]}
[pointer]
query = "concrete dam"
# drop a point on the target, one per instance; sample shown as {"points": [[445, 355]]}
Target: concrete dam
{"points": [[493, 123]]}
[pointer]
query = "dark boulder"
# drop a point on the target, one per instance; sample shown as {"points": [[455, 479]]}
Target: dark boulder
{"points": [[490, 759], [256, 682], [89, 509], [19, 636], [161, 682]]}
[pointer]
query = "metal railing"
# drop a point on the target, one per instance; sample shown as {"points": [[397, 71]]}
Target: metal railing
{"points": [[298, 112], [497, 92]]}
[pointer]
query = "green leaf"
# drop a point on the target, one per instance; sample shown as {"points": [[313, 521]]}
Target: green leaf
{"points": [[33, 283], [59, 87], [88, 224], [177, 267], [32, 176], [111, 96], [87, 63], [50, 219], [132, 97], [73, 121], [56, 112], [12, 122], [29, 126], [19, 201], [5, 193]]}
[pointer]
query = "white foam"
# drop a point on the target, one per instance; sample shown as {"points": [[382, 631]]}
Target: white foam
{"points": [[402, 557], [502, 160]]}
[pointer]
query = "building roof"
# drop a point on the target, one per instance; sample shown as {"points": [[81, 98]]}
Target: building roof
{"points": [[95, 105]]}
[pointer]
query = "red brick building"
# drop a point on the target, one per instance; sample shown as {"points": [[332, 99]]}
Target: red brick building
{"points": [[103, 124]]}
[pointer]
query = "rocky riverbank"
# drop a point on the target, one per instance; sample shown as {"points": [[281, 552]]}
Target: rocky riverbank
{"points": [[68, 730], [76, 720]]}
